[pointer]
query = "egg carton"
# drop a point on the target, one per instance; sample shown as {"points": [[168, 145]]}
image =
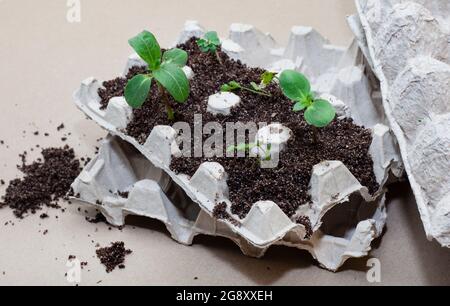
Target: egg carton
{"points": [[344, 217], [408, 43], [344, 224]]}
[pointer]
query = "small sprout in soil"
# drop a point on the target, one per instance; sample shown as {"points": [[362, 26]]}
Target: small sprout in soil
{"points": [[263, 153], [164, 68], [210, 43], [233, 85], [318, 112], [266, 78]]}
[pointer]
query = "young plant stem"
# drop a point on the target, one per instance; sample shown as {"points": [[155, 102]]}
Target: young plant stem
{"points": [[262, 93], [315, 133], [165, 98], [218, 58]]}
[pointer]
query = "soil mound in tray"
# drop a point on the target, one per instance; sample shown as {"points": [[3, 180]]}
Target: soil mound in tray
{"points": [[286, 185], [44, 182]]}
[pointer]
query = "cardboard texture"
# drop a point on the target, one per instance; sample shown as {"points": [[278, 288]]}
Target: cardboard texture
{"points": [[408, 44]]}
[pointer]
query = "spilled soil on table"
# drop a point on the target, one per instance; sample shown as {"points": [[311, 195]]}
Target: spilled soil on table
{"points": [[45, 181]]}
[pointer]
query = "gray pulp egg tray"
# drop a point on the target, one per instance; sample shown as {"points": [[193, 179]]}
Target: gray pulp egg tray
{"points": [[407, 44], [344, 217]]}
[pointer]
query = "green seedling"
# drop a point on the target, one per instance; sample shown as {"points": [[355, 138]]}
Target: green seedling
{"points": [[210, 43], [317, 112], [266, 78], [233, 85], [262, 153], [164, 68]]}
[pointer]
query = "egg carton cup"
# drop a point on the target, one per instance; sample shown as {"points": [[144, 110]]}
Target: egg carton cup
{"points": [[344, 217], [408, 43]]}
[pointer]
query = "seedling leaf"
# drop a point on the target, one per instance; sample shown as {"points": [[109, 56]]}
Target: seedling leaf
{"points": [[204, 46], [233, 85], [255, 86], [137, 90], [209, 42], [225, 88], [320, 113], [241, 147], [147, 47], [299, 106], [267, 78], [176, 56], [174, 80], [294, 85], [213, 38], [231, 149]]}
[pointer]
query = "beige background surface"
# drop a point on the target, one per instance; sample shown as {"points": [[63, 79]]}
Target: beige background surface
{"points": [[42, 60]]}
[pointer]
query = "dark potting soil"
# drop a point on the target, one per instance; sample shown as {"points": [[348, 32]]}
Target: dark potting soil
{"points": [[113, 256], [306, 222], [286, 185], [220, 212], [44, 183]]}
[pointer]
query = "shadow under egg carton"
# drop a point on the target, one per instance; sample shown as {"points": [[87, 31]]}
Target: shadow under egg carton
{"points": [[408, 43], [335, 192]]}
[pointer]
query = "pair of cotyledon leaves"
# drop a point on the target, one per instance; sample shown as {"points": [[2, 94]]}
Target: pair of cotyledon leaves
{"points": [[164, 68], [295, 86]]}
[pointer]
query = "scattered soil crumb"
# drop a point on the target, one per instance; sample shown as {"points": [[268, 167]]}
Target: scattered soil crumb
{"points": [[113, 256], [97, 219], [123, 194], [220, 212]]}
